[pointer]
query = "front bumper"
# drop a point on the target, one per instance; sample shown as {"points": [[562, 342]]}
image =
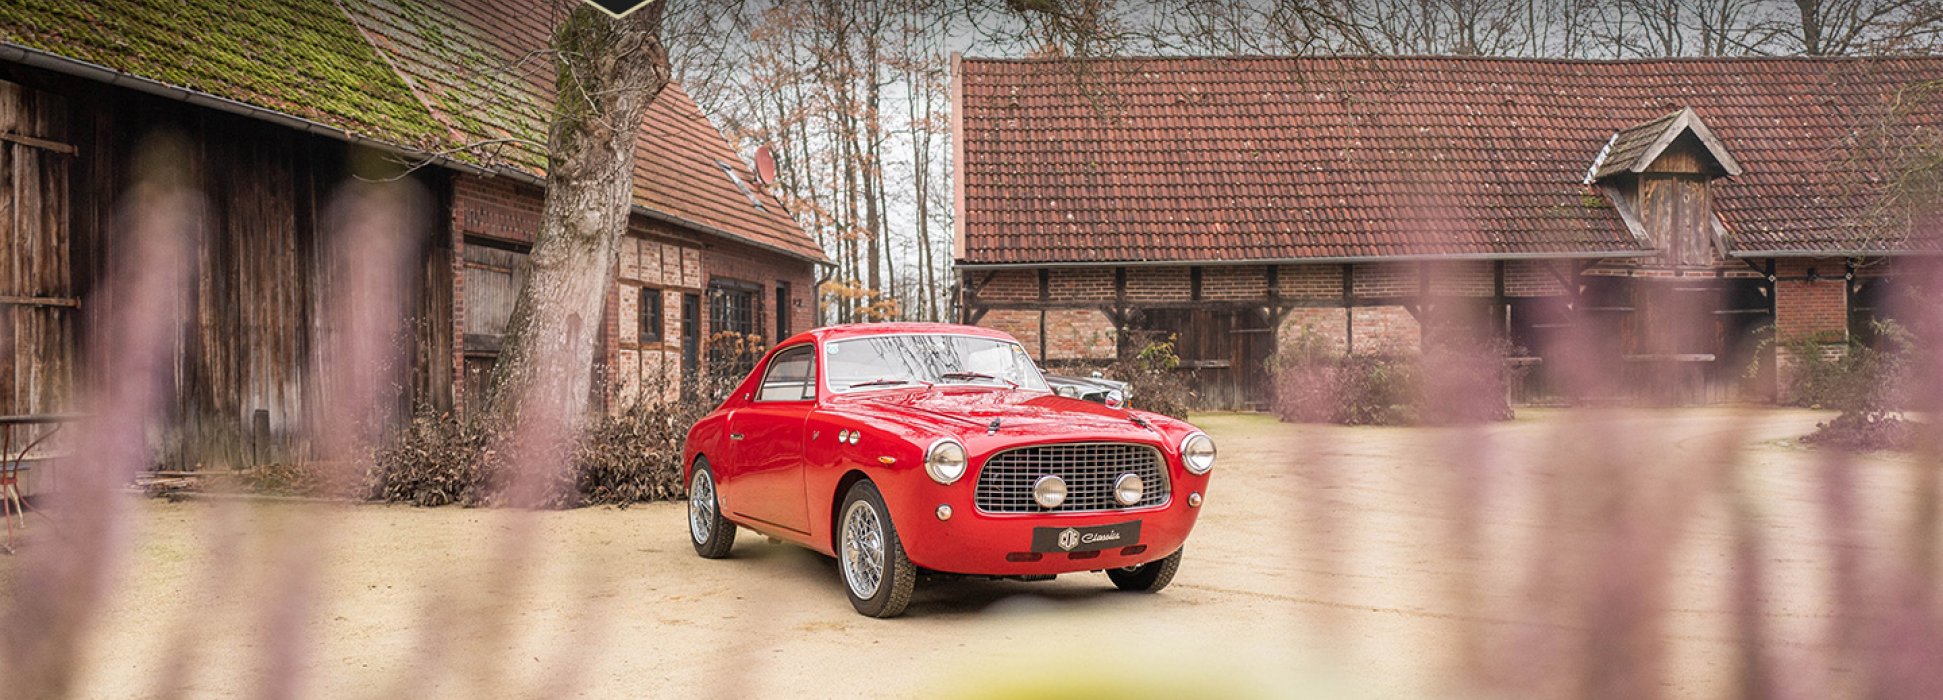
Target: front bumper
{"points": [[1001, 544]]}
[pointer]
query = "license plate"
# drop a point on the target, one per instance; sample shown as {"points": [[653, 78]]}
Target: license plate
{"points": [[1085, 539]]}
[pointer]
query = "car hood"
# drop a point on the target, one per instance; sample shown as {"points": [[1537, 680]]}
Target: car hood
{"points": [[1021, 414]]}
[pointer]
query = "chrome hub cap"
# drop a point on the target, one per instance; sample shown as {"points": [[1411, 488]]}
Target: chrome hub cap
{"points": [[862, 555], [701, 507]]}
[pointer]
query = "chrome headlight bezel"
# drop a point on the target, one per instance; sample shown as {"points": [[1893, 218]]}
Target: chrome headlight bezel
{"points": [[1197, 462], [939, 466]]}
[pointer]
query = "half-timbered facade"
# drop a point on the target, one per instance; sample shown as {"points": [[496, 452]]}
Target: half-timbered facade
{"points": [[1683, 211]]}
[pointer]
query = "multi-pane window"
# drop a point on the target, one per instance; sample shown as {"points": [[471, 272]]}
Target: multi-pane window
{"points": [[734, 340], [651, 319]]}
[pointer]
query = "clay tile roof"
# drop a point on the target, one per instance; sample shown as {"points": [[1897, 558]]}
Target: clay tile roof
{"points": [[1227, 159], [424, 75]]}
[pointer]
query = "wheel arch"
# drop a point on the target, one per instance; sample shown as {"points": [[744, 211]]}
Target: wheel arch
{"points": [[849, 479]]}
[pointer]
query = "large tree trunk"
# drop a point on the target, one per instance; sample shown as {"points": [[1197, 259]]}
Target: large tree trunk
{"points": [[609, 71]]}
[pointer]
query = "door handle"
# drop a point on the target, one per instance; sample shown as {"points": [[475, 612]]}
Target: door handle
{"points": [[735, 436]]}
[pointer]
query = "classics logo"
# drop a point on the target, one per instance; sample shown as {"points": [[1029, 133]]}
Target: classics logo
{"points": [[619, 8], [1068, 539]]}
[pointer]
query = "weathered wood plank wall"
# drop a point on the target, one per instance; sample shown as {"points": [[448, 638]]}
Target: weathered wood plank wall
{"points": [[37, 296], [257, 313]]}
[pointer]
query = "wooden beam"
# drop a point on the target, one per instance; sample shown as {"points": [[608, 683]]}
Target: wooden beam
{"points": [[1349, 309], [67, 302], [43, 144]]}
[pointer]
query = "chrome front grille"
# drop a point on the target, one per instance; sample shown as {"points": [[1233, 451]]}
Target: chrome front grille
{"points": [[1089, 468]]}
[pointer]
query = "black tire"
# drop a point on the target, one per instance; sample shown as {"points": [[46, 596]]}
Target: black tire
{"points": [[1149, 577], [896, 576], [712, 534]]}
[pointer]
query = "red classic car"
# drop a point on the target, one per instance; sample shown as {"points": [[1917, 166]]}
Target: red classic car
{"points": [[903, 449]]}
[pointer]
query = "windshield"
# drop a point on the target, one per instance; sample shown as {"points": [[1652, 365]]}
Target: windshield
{"points": [[903, 360]]}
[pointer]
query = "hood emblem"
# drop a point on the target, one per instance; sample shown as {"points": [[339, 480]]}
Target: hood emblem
{"points": [[1068, 539], [993, 428]]}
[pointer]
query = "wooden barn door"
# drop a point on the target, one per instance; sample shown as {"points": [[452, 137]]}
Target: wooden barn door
{"points": [[37, 295]]}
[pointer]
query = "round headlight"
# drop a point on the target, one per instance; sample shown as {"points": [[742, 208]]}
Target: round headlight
{"points": [[1115, 398], [945, 461], [1128, 489], [1197, 453], [1049, 491]]}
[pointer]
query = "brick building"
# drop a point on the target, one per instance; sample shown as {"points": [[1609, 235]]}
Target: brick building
{"points": [[1683, 210], [273, 104]]}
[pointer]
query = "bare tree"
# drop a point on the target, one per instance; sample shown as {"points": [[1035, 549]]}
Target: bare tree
{"points": [[607, 73], [1849, 27]]}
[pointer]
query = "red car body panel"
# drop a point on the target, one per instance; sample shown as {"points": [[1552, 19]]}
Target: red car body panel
{"points": [[786, 473]]}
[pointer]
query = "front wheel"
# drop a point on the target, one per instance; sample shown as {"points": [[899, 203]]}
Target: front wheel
{"points": [[1149, 577], [876, 574], [711, 534]]}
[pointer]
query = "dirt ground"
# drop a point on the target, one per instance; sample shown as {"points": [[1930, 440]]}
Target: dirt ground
{"points": [[1329, 561]]}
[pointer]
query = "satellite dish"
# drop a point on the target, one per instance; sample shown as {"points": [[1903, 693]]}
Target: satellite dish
{"points": [[765, 165]]}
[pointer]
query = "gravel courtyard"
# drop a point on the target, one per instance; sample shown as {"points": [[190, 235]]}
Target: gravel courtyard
{"points": [[1567, 553]]}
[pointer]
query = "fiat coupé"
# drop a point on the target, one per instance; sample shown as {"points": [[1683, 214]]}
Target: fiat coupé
{"points": [[931, 449]]}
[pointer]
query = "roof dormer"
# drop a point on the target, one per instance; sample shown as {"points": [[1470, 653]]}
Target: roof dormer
{"points": [[1676, 143], [1659, 177]]}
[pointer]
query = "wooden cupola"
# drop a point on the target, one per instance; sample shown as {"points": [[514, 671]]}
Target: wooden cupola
{"points": [[1658, 175]]}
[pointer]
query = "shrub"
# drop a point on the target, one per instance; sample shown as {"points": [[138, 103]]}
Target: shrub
{"points": [[1153, 384], [633, 457], [1456, 380], [437, 459], [1866, 382]]}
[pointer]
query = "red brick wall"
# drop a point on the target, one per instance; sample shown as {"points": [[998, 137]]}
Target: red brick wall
{"points": [[1079, 334], [1386, 280], [1078, 284], [1230, 282], [1159, 284], [1382, 330], [1328, 325], [1811, 309], [1532, 278], [1023, 325], [1311, 281], [1008, 285]]}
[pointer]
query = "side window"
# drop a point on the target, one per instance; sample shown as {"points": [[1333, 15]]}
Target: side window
{"points": [[791, 376]]}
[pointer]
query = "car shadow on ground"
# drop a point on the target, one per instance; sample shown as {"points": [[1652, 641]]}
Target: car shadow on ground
{"points": [[936, 597]]}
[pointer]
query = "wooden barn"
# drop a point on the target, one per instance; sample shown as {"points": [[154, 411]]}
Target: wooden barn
{"points": [[275, 105], [1686, 211]]}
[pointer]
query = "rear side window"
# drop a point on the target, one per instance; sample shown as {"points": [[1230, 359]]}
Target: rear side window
{"points": [[791, 376]]}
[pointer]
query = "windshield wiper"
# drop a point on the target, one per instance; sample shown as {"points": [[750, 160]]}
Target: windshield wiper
{"points": [[976, 375], [885, 382]]}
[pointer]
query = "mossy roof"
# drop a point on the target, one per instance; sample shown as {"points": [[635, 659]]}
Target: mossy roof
{"points": [[468, 79], [303, 58]]}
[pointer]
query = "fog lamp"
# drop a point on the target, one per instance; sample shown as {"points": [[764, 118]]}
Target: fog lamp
{"points": [[1049, 491], [1128, 489]]}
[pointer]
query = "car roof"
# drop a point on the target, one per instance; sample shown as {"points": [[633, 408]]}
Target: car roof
{"points": [[859, 330]]}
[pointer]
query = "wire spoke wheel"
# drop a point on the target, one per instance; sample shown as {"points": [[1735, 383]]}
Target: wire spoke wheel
{"points": [[863, 549], [701, 507], [711, 534]]}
